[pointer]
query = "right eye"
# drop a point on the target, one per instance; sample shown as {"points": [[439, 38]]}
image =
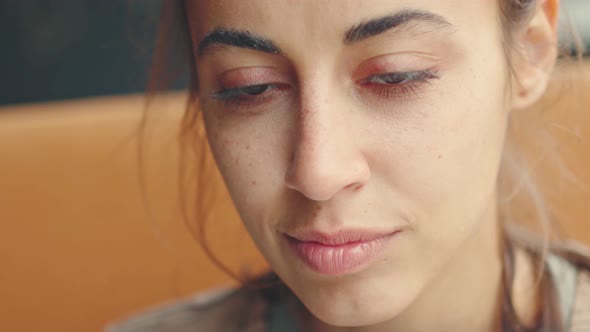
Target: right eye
{"points": [[251, 95], [251, 90]]}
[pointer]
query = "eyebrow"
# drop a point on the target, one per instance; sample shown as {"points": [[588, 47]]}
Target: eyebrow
{"points": [[237, 38], [246, 39], [380, 25]]}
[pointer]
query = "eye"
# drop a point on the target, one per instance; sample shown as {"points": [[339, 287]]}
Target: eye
{"points": [[401, 78], [250, 96], [400, 84], [251, 90]]}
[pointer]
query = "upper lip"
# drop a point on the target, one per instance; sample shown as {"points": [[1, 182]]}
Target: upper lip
{"points": [[340, 237]]}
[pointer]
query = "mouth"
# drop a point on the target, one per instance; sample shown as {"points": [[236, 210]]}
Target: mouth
{"points": [[341, 253]]}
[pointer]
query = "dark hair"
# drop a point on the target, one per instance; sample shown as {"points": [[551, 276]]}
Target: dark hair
{"points": [[173, 56]]}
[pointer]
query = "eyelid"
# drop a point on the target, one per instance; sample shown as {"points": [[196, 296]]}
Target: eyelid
{"points": [[394, 63], [237, 92], [243, 102], [250, 76]]}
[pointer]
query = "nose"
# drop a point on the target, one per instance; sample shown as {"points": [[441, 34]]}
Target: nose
{"points": [[327, 157]]}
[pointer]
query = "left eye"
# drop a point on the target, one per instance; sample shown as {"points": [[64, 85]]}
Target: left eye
{"points": [[399, 78]]}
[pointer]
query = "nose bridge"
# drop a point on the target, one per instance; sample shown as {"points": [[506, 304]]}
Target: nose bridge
{"points": [[319, 142], [326, 158]]}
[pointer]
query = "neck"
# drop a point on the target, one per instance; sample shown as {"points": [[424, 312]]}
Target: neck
{"points": [[466, 296]]}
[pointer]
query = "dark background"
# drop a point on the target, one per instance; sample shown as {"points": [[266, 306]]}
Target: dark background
{"points": [[63, 49], [74, 48]]}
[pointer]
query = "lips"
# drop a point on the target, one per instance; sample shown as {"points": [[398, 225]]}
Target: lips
{"points": [[341, 253]]}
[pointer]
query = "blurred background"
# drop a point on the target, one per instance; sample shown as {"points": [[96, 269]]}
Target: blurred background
{"points": [[54, 50], [90, 233]]}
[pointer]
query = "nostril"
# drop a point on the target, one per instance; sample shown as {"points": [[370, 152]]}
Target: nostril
{"points": [[354, 186]]}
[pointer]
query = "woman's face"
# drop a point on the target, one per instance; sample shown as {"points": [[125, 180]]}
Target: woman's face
{"points": [[360, 140]]}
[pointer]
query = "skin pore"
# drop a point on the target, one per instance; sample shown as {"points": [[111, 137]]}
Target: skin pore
{"points": [[381, 115]]}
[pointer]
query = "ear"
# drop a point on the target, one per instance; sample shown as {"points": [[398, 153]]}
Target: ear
{"points": [[535, 54]]}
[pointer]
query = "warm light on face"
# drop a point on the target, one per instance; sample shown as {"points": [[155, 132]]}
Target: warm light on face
{"points": [[338, 123]]}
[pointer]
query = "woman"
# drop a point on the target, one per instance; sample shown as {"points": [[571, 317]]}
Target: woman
{"points": [[361, 143]]}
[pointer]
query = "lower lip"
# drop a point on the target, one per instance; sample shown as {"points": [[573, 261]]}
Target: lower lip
{"points": [[340, 259]]}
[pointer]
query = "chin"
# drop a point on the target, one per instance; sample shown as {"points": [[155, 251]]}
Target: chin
{"points": [[337, 315], [367, 303]]}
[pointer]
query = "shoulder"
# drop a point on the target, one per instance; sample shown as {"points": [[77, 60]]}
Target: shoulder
{"points": [[578, 257], [580, 320], [220, 310]]}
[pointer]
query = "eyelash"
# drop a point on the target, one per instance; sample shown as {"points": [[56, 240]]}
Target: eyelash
{"points": [[259, 94], [399, 85], [386, 86]]}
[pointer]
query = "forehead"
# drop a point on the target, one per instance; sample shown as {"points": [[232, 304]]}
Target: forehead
{"points": [[309, 18]]}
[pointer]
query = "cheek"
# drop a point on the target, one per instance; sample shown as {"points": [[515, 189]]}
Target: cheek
{"points": [[240, 162], [252, 160], [445, 159], [455, 147]]}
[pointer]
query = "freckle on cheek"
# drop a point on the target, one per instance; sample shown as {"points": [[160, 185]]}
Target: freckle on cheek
{"points": [[225, 143], [253, 183], [440, 156]]}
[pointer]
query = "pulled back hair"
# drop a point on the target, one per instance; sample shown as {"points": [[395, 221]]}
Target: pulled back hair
{"points": [[173, 57]]}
